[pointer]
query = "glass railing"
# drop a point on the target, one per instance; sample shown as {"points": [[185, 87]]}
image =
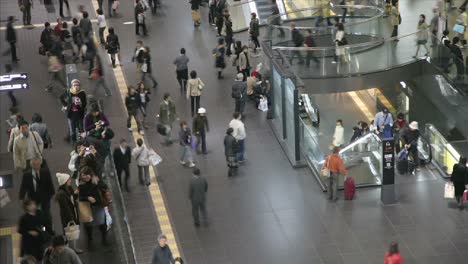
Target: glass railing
{"points": [[363, 24], [241, 14]]}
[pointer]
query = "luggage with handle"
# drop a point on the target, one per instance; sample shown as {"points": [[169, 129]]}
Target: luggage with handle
{"points": [[349, 188]]}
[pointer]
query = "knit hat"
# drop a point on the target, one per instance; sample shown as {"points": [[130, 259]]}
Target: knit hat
{"points": [[240, 77], [62, 178], [75, 81], [201, 110], [414, 125]]}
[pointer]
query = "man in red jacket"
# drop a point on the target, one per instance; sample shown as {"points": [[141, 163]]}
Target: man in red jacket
{"points": [[336, 166]]}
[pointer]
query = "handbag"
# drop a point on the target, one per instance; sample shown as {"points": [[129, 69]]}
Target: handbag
{"points": [[144, 67], [42, 51], [200, 85], [86, 215], [154, 158], [263, 105], [325, 172], [449, 191], [72, 231]]}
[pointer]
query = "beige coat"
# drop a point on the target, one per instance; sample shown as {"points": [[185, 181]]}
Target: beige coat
{"points": [[251, 82], [394, 16], [243, 60], [193, 88], [20, 148], [13, 134]]}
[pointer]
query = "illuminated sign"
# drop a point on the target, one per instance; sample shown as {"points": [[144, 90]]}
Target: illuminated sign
{"points": [[14, 81]]}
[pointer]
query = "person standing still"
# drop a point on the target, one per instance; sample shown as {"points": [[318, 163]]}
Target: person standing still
{"points": [[338, 135], [167, 116], [200, 128], [395, 18], [122, 159], [229, 34], [239, 134], [230, 152], [244, 62], [197, 195], [181, 65], [194, 91], [162, 254], [239, 90], [25, 7], [11, 38], [254, 31], [61, 7], [336, 166]]}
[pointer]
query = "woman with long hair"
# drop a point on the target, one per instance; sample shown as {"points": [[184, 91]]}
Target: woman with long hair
{"points": [[194, 91]]}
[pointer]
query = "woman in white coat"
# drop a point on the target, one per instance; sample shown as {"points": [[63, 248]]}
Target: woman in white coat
{"points": [[141, 154], [338, 136], [340, 40]]}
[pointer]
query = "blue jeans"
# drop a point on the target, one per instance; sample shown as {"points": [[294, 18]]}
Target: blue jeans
{"points": [[240, 154], [186, 151]]}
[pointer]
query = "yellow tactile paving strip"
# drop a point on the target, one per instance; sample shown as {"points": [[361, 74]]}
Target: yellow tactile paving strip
{"points": [[361, 105], [15, 240], [154, 189]]}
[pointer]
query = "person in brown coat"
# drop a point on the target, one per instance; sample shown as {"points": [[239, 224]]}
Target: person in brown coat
{"points": [[66, 198]]}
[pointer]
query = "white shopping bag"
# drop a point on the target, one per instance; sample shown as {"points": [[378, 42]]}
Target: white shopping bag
{"points": [[263, 105], [154, 158], [4, 198], [108, 218], [449, 191]]}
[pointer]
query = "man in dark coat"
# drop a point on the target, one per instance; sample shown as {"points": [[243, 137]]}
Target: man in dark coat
{"points": [[197, 195], [37, 185], [162, 254], [11, 38], [239, 90], [46, 37], [200, 128], [122, 158]]}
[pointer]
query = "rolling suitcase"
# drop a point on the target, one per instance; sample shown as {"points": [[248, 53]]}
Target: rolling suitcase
{"points": [[349, 188]]}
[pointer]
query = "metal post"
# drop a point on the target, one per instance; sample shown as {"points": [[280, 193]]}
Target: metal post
{"points": [[387, 193]]}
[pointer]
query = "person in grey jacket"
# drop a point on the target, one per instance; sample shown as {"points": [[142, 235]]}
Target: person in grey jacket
{"points": [[181, 65], [239, 90], [162, 254], [59, 253], [41, 129], [197, 195]]}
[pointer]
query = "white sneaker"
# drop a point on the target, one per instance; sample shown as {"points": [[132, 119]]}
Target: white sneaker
{"points": [[142, 132], [182, 162], [192, 165], [130, 129]]}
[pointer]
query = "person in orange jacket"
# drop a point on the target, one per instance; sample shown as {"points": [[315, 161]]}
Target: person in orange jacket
{"points": [[336, 166]]}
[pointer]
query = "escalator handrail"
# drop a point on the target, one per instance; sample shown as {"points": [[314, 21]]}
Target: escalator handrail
{"points": [[360, 140]]}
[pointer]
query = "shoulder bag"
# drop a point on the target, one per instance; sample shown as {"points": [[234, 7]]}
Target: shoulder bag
{"points": [[72, 231], [325, 172], [86, 215]]}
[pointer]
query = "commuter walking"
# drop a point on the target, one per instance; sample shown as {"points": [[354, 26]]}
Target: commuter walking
{"points": [[309, 42], [41, 128], [30, 227], [422, 35], [74, 102], [11, 38], [195, 7], [410, 140], [89, 190], [27, 145], [140, 9], [219, 18], [324, 13], [194, 91], [67, 200], [228, 33], [395, 18], [219, 53], [162, 254], [458, 60], [61, 2], [97, 75], [141, 154], [200, 128], [133, 103], [239, 93], [139, 58], [143, 92], [383, 122], [122, 159], [102, 24], [77, 36], [147, 67], [459, 178], [181, 65], [167, 116], [185, 142], [434, 26], [298, 40], [25, 7], [340, 40], [244, 62], [338, 135], [197, 194], [392, 256], [85, 25], [254, 31], [276, 21], [60, 253], [239, 134], [37, 185], [230, 151], [113, 46], [336, 166]]}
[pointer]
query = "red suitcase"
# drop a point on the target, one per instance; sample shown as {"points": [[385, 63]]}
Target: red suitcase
{"points": [[349, 188]]}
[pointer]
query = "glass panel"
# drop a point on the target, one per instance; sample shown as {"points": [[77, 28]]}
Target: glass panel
{"points": [[277, 101], [443, 153], [289, 108]]}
